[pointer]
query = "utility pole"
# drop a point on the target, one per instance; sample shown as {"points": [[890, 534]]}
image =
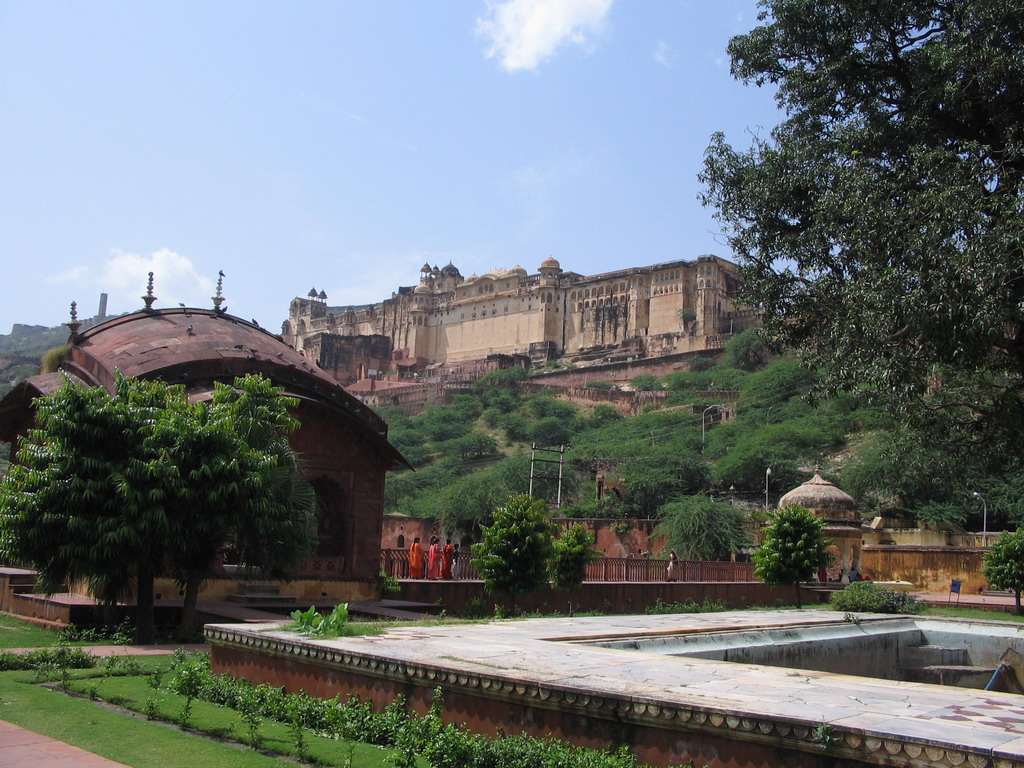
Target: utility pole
{"points": [[560, 461]]}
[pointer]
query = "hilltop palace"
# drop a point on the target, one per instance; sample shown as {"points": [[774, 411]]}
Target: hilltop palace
{"points": [[450, 323]]}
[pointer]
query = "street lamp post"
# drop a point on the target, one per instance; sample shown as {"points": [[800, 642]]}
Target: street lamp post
{"points": [[984, 519], [703, 426], [767, 478]]}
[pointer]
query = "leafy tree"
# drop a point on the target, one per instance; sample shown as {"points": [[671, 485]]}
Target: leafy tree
{"points": [[781, 447], [442, 423], [702, 529], [601, 416], [234, 479], [516, 550], [475, 444], [74, 507], [661, 476], [1004, 564], [516, 427], [550, 431], [573, 551], [500, 385], [792, 550], [879, 225], [112, 489], [746, 351]]}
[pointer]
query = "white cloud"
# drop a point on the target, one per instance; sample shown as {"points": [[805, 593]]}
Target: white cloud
{"points": [[663, 54], [524, 33], [73, 275], [175, 280]]}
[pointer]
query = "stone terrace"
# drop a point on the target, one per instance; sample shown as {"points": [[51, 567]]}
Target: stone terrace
{"points": [[538, 675]]}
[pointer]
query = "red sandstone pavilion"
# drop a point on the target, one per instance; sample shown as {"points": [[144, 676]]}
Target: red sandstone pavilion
{"points": [[343, 443]]}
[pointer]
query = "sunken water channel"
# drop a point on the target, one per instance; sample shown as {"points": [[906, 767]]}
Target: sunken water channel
{"points": [[957, 653]]}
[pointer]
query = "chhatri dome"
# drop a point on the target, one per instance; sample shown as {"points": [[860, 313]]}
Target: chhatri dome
{"points": [[824, 499]]}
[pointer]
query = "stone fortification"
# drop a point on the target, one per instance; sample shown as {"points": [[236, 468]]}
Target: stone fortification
{"points": [[450, 321]]}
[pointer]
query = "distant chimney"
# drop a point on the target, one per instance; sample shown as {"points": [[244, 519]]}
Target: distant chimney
{"points": [[102, 311]]}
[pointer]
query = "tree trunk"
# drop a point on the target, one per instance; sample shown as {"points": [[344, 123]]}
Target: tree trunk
{"points": [[796, 591], [187, 628], [1016, 594], [145, 632]]}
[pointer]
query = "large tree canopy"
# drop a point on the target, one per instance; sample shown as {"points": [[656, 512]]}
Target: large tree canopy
{"points": [[116, 489], [880, 226]]}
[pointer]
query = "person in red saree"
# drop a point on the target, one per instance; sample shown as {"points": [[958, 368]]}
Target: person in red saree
{"points": [[416, 559], [434, 559], [447, 557]]}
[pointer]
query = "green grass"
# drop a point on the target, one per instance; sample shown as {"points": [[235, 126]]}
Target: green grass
{"points": [[957, 612], [119, 737], [131, 739], [15, 633]]}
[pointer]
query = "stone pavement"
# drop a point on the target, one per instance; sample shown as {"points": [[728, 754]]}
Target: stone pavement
{"points": [[548, 662], [22, 748]]}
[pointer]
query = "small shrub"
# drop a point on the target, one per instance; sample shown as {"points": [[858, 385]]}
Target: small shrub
{"points": [[389, 584], [868, 597], [54, 658], [317, 625]]}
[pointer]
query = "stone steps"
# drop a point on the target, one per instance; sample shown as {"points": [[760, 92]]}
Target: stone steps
{"points": [[960, 675]]}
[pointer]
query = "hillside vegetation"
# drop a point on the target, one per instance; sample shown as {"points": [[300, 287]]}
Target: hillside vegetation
{"points": [[473, 454]]}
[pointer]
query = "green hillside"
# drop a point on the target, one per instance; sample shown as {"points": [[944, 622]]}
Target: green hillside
{"points": [[472, 454], [20, 354]]}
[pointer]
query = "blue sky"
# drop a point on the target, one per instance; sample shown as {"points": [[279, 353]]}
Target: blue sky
{"points": [[343, 144]]}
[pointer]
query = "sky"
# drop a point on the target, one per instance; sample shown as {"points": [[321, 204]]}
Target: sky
{"points": [[341, 145]]}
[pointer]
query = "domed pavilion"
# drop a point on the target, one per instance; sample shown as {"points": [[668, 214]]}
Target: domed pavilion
{"points": [[343, 443], [842, 520]]}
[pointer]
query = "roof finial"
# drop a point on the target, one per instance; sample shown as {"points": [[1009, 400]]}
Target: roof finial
{"points": [[149, 298], [218, 299], [73, 324]]}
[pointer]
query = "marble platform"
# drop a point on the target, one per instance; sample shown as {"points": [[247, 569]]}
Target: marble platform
{"points": [[543, 676]]}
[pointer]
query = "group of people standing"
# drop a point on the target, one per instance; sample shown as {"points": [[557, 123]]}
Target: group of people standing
{"points": [[439, 562]]}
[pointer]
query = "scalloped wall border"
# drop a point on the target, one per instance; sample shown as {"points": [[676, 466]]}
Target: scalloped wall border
{"points": [[863, 746]]}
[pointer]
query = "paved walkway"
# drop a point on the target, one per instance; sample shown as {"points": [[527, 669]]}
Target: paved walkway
{"points": [[994, 603], [22, 748]]}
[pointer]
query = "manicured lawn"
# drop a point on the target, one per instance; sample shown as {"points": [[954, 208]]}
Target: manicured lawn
{"points": [[15, 633], [131, 739]]}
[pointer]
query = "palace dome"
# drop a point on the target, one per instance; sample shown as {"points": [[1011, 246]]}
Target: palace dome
{"points": [[450, 270], [518, 271], [421, 289], [550, 263]]}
